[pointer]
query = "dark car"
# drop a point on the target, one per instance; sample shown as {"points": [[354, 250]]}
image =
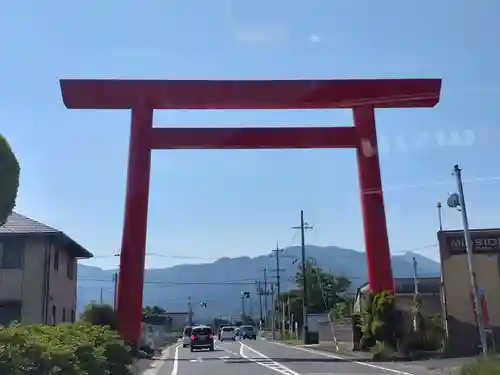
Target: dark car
{"points": [[202, 337], [248, 332]]}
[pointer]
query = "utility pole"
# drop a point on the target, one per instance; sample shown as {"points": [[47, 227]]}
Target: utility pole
{"points": [[289, 312], [277, 253], [440, 216], [251, 307], [303, 227], [190, 312], [101, 299], [242, 305], [265, 294], [415, 276], [259, 292], [469, 248], [115, 288], [416, 325], [273, 312]]}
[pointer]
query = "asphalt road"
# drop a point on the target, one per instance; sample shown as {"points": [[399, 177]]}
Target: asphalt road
{"points": [[267, 358]]}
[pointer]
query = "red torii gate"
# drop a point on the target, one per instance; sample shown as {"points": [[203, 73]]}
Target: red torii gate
{"points": [[142, 97]]}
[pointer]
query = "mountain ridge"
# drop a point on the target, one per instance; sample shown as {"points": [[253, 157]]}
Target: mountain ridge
{"points": [[221, 282]]}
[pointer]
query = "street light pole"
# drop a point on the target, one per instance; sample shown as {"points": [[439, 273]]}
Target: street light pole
{"points": [[469, 249]]}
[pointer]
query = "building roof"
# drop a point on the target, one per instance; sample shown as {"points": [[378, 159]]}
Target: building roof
{"points": [[405, 285], [18, 224]]}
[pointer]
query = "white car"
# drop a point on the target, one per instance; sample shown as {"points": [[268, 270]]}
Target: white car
{"points": [[227, 333], [186, 336]]}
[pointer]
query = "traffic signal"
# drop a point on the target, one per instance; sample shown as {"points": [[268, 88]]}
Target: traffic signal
{"points": [[245, 295], [203, 304]]}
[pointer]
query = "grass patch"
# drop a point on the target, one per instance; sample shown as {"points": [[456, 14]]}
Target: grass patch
{"points": [[482, 366]]}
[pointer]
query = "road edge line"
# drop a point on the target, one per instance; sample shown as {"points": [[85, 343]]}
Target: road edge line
{"points": [[345, 358], [165, 354]]}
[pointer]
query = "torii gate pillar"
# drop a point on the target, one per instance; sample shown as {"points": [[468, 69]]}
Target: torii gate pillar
{"points": [[142, 97]]}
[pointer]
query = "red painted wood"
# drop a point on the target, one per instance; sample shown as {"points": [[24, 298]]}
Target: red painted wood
{"points": [[253, 138], [292, 94], [145, 96]]}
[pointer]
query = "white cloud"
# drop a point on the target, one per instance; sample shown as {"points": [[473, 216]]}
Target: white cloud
{"points": [[314, 38]]}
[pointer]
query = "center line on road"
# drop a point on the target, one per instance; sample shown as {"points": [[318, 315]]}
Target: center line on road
{"points": [[268, 363]]}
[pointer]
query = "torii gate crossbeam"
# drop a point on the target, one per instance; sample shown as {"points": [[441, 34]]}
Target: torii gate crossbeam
{"points": [[142, 97]]}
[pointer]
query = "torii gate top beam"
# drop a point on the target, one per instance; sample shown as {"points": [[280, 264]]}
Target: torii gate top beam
{"points": [[249, 94]]}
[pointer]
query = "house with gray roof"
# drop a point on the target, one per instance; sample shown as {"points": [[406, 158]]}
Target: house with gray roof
{"points": [[38, 266]]}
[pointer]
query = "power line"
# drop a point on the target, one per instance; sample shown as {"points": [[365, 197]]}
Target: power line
{"points": [[162, 283], [429, 184], [157, 255]]}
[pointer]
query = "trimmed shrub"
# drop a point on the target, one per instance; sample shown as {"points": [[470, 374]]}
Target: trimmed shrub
{"points": [[65, 349]]}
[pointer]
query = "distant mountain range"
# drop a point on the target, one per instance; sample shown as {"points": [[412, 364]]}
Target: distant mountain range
{"points": [[220, 283]]}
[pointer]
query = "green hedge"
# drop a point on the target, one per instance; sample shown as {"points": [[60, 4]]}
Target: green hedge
{"points": [[65, 349]]}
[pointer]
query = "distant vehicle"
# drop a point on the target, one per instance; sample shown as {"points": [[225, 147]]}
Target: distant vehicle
{"points": [[186, 336], [227, 333], [202, 337], [248, 332], [220, 329]]}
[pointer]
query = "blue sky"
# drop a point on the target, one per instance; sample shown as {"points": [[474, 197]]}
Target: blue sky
{"points": [[206, 204]]}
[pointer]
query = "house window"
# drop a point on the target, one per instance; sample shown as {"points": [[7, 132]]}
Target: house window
{"points": [[12, 254], [54, 314], [56, 260], [63, 314], [70, 267]]}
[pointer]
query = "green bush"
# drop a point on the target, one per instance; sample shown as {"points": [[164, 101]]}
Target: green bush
{"points": [[378, 321], [100, 315], [65, 349], [487, 366]]}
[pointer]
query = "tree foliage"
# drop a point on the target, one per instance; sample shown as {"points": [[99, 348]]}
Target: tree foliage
{"points": [[379, 321], [99, 315], [9, 177], [325, 292], [153, 310]]}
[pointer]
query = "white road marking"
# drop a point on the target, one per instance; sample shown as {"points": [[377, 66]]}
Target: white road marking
{"points": [[199, 359], [175, 366], [344, 358], [266, 362], [158, 364], [227, 350]]}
